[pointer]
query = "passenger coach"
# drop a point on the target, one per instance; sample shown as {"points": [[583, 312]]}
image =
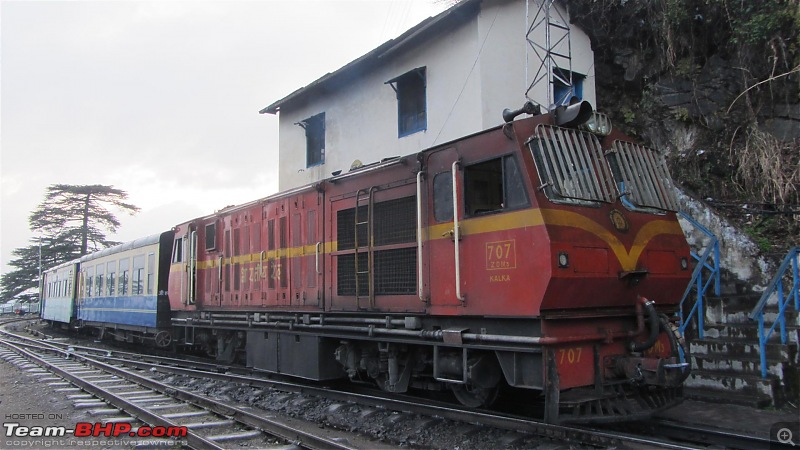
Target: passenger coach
{"points": [[58, 293], [123, 291]]}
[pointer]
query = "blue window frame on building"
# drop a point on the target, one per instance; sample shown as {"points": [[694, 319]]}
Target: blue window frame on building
{"points": [[562, 91], [412, 114]]}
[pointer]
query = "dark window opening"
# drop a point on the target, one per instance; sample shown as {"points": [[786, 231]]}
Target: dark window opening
{"points": [[177, 251], [493, 185], [443, 197], [411, 102], [211, 236], [315, 139]]}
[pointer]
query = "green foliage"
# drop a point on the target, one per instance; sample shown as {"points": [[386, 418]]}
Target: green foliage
{"points": [[73, 220], [681, 114], [80, 212], [628, 116], [761, 240], [757, 22]]}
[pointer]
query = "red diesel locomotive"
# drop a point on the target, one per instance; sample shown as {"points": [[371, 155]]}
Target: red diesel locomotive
{"points": [[541, 255]]}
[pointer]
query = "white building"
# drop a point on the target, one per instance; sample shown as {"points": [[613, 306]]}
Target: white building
{"points": [[449, 76]]}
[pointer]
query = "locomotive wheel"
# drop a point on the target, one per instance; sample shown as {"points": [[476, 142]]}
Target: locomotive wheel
{"points": [[474, 396], [163, 339]]}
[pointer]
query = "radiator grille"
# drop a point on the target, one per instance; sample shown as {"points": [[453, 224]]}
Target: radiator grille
{"points": [[642, 174], [571, 165], [395, 222], [395, 273]]}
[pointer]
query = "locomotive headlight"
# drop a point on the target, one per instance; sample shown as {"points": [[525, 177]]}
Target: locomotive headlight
{"points": [[598, 124], [684, 263], [563, 259]]}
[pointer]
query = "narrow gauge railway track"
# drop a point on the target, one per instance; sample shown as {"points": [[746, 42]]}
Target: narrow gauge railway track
{"points": [[561, 433], [714, 436], [681, 434], [209, 424]]}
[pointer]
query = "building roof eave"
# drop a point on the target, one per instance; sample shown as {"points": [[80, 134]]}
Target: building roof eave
{"points": [[463, 9]]}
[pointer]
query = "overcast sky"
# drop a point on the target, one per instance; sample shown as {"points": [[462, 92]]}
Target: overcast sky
{"points": [[161, 99]]}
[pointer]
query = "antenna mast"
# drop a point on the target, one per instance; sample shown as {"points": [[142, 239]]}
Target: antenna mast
{"points": [[554, 57]]}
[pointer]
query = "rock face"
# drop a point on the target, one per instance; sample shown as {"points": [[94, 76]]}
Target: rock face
{"points": [[783, 122]]}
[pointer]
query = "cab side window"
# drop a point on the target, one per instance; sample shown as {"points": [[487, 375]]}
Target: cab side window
{"points": [[493, 186]]}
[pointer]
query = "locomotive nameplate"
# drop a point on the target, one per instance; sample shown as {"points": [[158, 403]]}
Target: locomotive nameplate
{"points": [[501, 255], [619, 221]]}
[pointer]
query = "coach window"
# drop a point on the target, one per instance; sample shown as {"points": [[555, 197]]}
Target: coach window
{"points": [[443, 197], [111, 269], [89, 281], [493, 185], [137, 281], [315, 139], [151, 269], [124, 266], [98, 280]]}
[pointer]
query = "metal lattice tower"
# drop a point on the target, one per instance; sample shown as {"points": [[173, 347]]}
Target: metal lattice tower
{"points": [[553, 51]]}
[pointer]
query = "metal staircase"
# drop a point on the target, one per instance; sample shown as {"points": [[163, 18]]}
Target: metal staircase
{"points": [[743, 347]]}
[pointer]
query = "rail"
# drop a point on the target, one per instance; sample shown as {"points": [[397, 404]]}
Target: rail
{"points": [[776, 288], [708, 261]]}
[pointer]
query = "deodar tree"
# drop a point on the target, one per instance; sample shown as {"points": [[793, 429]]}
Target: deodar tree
{"points": [[73, 221]]}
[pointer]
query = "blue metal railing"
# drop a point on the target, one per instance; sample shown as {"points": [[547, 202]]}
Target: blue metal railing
{"points": [[708, 261], [776, 287]]}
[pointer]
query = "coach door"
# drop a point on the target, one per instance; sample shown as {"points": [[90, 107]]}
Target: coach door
{"points": [[183, 267], [444, 175]]}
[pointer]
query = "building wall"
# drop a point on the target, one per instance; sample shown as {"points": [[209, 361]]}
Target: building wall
{"points": [[473, 72]]}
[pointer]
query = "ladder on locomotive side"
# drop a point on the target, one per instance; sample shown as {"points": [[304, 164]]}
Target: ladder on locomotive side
{"points": [[370, 198]]}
